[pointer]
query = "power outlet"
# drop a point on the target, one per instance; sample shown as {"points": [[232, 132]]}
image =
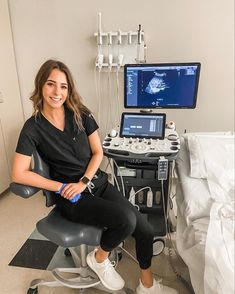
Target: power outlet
{"points": [[140, 197], [158, 197]]}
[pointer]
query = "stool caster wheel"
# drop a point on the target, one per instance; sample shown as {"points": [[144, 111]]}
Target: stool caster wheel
{"points": [[119, 250], [33, 290], [119, 256], [67, 252]]}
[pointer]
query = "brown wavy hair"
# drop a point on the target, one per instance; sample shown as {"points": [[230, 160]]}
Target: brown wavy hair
{"points": [[73, 101]]}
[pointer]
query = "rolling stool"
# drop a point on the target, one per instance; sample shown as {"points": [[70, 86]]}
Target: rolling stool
{"points": [[66, 234]]}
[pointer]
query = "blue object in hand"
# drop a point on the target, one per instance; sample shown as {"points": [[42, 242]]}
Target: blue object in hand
{"points": [[72, 200], [75, 198]]}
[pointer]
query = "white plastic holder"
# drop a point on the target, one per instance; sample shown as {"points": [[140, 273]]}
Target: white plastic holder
{"points": [[119, 35]]}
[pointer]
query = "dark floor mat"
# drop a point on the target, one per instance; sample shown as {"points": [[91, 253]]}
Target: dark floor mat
{"points": [[34, 254]]}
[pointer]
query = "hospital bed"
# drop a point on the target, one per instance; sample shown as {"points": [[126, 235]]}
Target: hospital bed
{"points": [[205, 210]]}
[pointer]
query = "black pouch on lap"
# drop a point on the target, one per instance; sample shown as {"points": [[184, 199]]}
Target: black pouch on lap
{"points": [[102, 178]]}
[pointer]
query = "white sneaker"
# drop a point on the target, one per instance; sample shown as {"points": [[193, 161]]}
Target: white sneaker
{"points": [[157, 288], [106, 272]]}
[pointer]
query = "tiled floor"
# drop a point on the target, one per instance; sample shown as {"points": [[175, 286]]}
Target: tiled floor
{"points": [[18, 218]]}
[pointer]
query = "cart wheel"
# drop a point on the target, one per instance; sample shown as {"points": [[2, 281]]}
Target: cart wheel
{"points": [[158, 246], [67, 252], [33, 290]]}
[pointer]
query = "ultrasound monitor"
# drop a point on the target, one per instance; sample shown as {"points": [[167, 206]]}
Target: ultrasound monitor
{"points": [[143, 125], [164, 85]]}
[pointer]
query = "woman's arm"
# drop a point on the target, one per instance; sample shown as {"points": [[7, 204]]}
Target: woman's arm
{"points": [[22, 174], [97, 155]]}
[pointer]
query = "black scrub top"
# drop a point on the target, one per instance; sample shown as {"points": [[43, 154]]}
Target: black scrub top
{"points": [[67, 152]]}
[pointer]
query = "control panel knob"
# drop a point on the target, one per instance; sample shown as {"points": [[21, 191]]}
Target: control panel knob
{"points": [[113, 133]]}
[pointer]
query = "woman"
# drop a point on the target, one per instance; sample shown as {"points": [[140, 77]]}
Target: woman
{"points": [[65, 134]]}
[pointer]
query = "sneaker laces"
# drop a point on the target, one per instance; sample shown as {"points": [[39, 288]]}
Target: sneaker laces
{"points": [[109, 264], [159, 283]]}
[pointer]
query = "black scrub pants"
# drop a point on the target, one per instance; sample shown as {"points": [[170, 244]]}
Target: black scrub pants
{"points": [[109, 209]]}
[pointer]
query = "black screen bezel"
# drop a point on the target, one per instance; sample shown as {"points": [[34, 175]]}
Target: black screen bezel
{"points": [[145, 114], [198, 64]]}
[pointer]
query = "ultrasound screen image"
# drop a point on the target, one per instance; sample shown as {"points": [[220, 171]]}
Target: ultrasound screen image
{"points": [[161, 86]]}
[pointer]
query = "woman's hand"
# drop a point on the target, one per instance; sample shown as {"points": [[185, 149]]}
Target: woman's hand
{"points": [[72, 189]]}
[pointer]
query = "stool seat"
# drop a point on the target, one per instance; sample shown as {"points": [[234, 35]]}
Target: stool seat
{"points": [[66, 233]]}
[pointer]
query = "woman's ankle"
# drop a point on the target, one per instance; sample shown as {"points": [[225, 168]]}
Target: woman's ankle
{"points": [[146, 278], [101, 255], [147, 284]]}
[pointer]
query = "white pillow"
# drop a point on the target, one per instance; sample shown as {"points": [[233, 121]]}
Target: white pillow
{"points": [[193, 196], [196, 158]]}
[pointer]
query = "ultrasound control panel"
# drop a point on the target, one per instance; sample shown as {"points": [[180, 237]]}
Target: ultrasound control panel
{"points": [[141, 149]]}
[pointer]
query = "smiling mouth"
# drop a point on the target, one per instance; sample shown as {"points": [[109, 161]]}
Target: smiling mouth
{"points": [[55, 99]]}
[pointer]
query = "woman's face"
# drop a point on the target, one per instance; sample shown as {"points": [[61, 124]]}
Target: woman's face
{"points": [[55, 90]]}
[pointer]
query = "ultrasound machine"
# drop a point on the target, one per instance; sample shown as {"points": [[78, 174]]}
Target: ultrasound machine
{"points": [[144, 147]]}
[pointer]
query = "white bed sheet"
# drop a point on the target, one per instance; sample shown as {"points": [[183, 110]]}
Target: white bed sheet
{"points": [[190, 241], [205, 226]]}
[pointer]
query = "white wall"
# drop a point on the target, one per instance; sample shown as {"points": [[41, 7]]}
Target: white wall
{"points": [[177, 31], [11, 114]]}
